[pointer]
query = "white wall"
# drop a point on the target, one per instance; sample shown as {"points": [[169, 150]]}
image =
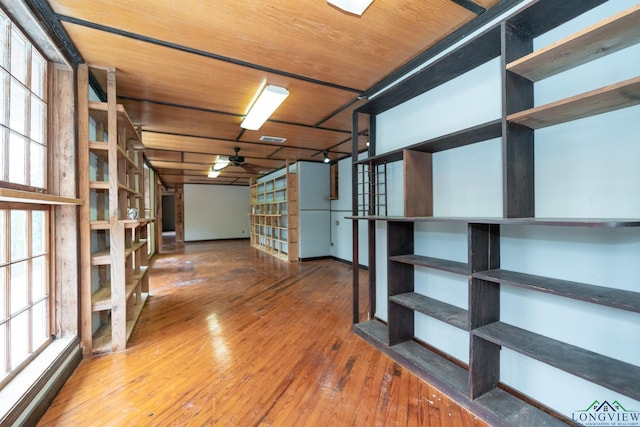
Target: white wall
{"points": [[215, 212], [314, 210], [585, 168]]}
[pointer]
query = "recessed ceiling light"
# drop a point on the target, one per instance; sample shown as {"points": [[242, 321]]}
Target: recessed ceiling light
{"points": [[266, 103], [356, 7], [267, 138]]}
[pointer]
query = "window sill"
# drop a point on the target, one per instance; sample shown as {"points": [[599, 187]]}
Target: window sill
{"points": [[17, 196], [26, 397]]}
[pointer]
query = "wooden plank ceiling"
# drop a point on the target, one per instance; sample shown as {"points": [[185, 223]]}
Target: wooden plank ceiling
{"points": [[188, 71]]}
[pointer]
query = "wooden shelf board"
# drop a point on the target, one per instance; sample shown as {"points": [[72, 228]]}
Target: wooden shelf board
{"points": [[514, 412], [613, 374], [98, 110], [435, 263], [602, 100], [472, 135], [137, 245], [100, 225], [558, 222], [616, 298], [442, 311], [608, 36], [143, 271], [18, 196], [102, 337], [101, 257], [134, 223], [99, 185], [101, 299], [497, 407]]}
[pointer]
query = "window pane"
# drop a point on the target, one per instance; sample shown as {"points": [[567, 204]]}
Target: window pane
{"points": [[38, 279], [40, 324], [4, 41], [36, 165], [38, 233], [18, 234], [19, 326], [37, 120], [18, 111], [4, 94], [17, 159], [18, 289], [3, 236], [4, 369], [3, 292], [3, 147], [38, 73], [19, 55]]}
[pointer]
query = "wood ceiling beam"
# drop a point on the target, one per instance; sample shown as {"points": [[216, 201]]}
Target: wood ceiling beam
{"points": [[471, 6], [237, 141], [199, 52], [206, 110]]}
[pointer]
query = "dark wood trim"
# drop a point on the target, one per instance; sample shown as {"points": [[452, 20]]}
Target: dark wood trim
{"points": [[441, 46], [199, 52], [43, 12], [471, 54], [471, 6], [545, 15], [355, 254]]}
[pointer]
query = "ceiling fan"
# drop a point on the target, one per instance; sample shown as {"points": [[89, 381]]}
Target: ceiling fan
{"points": [[234, 160]]}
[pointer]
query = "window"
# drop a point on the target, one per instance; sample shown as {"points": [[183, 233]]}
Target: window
{"points": [[24, 228]]}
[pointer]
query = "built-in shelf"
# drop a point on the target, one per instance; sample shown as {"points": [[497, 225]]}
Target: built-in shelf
{"points": [[597, 101], [101, 299], [274, 215], [444, 312], [472, 135], [613, 374], [430, 262], [497, 407], [608, 36], [479, 387], [114, 247], [102, 338], [611, 297]]}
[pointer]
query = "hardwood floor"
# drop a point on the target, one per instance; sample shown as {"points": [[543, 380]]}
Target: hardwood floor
{"points": [[233, 337]]}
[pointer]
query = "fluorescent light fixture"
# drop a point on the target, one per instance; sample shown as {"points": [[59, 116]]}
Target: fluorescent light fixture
{"points": [[326, 157], [221, 163], [269, 99], [357, 7], [213, 173]]}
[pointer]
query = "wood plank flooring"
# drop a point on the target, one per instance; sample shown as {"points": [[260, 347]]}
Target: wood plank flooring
{"points": [[233, 337]]}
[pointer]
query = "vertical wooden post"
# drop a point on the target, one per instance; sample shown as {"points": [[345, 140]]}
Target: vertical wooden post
{"points": [[85, 209], [484, 308], [179, 210], [355, 255], [517, 141], [158, 221]]}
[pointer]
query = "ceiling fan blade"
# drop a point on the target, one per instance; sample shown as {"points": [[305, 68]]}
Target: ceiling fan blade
{"points": [[249, 168]]}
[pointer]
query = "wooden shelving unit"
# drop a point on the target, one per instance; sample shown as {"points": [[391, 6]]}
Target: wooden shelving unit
{"points": [[476, 384], [274, 215], [113, 246]]}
